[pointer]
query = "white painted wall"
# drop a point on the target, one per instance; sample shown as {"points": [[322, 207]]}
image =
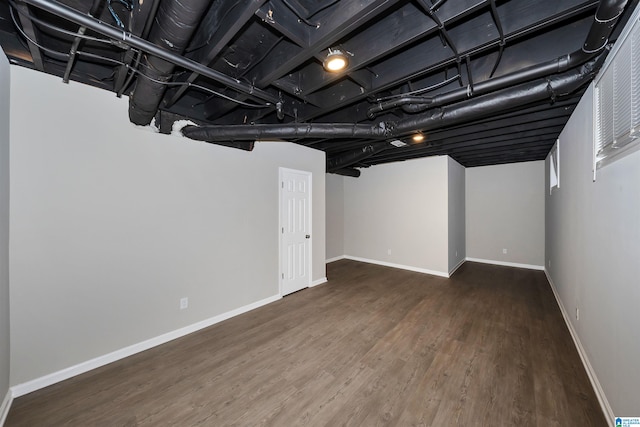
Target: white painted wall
{"points": [[505, 210], [335, 215], [592, 250], [456, 219], [401, 207], [4, 229], [112, 225]]}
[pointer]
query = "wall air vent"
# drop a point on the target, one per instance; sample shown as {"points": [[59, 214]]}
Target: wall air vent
{"points": [[397, 143]]}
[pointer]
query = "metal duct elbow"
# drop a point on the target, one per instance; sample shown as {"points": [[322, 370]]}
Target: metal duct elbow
{"points": [[176, 21], [605, 19]]}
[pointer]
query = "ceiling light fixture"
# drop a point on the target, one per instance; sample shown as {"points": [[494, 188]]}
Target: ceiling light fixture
{"points": [[336, 60], [418, 137]]}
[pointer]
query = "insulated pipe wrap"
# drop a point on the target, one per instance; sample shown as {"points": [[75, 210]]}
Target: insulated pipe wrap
{"points": [[496, 95], [516, 96], [286, 131], [605, 19], [352, 172], [460, 112], [176, 21], [349, 158]]}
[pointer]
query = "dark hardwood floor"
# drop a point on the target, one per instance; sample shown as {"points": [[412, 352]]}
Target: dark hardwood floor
{"points": [[373, 346]]}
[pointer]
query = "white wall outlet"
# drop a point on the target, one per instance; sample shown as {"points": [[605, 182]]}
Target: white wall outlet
{"points": [[388, 251], [184, 303], [456, 253], [504, 251], [577, 313], [549, 263]]}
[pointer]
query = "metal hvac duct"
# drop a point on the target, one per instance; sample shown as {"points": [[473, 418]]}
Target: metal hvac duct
{"points": [[464, 111], [177, 19], [486, 105], [213, 133], [496, 102], [70, 14], [493, 96]]}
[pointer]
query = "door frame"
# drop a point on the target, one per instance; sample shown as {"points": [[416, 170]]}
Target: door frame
{"points": [[281, 171]]}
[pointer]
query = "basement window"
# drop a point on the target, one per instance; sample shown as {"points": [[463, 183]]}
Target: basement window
{"points": [[617, 100], [554, 167]]}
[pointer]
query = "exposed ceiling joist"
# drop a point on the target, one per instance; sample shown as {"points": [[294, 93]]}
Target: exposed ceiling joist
{"points": [[484, 81], [218, 27], [33, 38]]}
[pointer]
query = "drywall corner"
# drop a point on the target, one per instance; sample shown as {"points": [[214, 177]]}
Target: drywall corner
{"points": [[396, 214], [124, 223], [505, 213], [335, 215], [592, 242], [5, 349], [5, 405], [456, 214]]}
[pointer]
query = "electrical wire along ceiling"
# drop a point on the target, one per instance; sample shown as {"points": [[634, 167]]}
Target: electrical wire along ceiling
{"points": [[367, 81]]}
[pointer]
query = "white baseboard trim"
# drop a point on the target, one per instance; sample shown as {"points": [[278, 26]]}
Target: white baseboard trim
{"points": [[5, 406], [400, 266], [338, 258], [72, 371], [507, 264], [453, 270], [318, 282], [597, 388]]}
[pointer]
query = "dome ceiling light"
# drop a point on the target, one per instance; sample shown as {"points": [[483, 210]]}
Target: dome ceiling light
{"points": [[336, 60], [418, 137]]}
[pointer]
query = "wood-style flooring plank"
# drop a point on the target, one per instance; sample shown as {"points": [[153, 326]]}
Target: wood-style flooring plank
{"points": [[375, 346]]}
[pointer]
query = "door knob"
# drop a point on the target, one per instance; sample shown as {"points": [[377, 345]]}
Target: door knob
{"points": [[308, 236]]}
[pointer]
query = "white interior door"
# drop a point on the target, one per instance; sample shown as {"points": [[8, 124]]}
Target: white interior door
{"points": [[295, 230]]}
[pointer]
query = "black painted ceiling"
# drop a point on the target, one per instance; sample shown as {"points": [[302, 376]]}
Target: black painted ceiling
{"points": [[274, 50]]}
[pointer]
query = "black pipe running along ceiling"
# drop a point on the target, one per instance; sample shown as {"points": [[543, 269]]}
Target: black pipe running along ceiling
{"points": [[485, 82]]}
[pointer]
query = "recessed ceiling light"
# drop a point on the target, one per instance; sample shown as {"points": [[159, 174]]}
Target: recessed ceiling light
{"points": [[418, 137], [336, 61]]}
